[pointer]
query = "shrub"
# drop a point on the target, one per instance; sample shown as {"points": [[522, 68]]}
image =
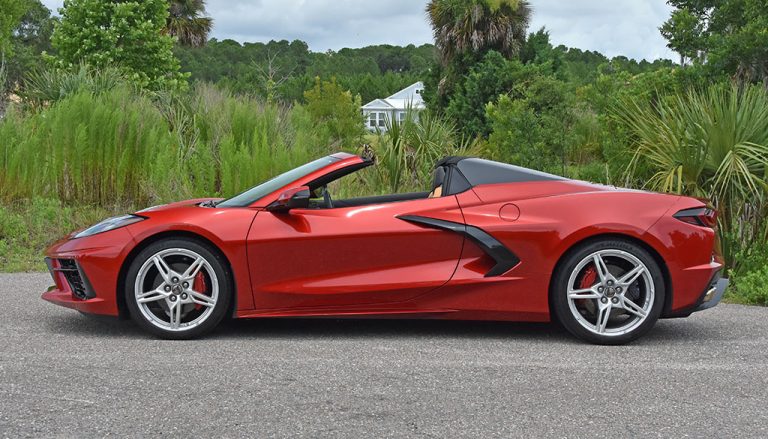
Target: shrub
{"points": [[711, 143]]}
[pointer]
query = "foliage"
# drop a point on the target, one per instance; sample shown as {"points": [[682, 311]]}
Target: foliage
{"points": [[711, 143], [126, 34], [478, 26], [129, 148], [493, 76], [29, 40], [336, 111], [11, 12], [532, 129], [726, 35], [285, 69], [465, 31], [749, 279], [45, 86], [28, 227], [188, 23], [407, 151]]}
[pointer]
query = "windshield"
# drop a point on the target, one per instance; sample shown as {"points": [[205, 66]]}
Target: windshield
{"points": [[254, 194]]}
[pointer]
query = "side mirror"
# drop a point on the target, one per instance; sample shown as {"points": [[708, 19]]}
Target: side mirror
{"points": [[296, 198]]}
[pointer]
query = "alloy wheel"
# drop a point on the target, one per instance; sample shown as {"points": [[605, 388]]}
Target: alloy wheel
{"points": [[176, 289], [610, 292]]}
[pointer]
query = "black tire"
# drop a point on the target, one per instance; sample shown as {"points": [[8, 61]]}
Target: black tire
{"points": [[562, 307], [215, 262]]}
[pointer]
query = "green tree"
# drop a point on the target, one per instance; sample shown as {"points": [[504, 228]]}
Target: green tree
{"points": [[477, 26], [11, 12], [336, 110], [188, 23], [122, 33], [532, 125], [726, 35], [464, 31], [30, 39], [482, 85]]}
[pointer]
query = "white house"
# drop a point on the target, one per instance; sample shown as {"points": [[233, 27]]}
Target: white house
{"points": [[393, 108]]}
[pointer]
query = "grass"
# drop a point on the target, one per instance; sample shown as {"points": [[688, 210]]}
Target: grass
{"points": [[28, 227]]}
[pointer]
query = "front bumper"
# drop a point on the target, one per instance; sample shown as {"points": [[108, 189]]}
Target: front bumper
{"points": [[86, 270]]}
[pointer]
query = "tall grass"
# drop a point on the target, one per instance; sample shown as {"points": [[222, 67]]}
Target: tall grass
{"points": [[124, 147]]}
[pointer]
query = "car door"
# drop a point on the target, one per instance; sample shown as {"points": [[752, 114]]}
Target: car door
{"points": [[352, 255]]}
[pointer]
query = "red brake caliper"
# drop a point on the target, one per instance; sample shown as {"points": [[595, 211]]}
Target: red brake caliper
{"points": [[589, 277], [199, 286]]}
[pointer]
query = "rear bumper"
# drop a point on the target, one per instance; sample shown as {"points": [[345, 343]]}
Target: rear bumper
{"points": [[709, 298], [713, 296]]}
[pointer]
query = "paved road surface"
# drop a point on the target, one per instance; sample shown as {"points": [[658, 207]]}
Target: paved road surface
{"points": [[65, 375]]}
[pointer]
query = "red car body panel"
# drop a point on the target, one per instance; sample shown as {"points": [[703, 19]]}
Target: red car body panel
{"points": [[368, 261]]}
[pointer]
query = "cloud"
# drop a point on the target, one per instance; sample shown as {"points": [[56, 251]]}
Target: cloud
{"points": [[613, 27]]}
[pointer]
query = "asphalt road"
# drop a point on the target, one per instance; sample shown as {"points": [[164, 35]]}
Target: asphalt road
{"points": [[66, 375]]}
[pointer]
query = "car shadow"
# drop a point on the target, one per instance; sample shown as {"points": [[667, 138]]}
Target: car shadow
{"points": [[665, 331], [386, 328]]}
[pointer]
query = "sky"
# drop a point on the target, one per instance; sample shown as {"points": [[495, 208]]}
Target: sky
{"points": [[612, 27]]}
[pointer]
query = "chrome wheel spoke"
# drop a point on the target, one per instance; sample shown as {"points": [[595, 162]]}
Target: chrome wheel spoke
{"points": [[174, 314], [603, 314], [152, 296], [633, 308], [585, 293], [163, 268], [201, 299], [602, 268], [193, 269], [632, 275]]}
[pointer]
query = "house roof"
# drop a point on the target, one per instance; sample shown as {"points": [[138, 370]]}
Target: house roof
{"points": [[409, 97]]}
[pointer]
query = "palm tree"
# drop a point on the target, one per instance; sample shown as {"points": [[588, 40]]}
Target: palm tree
{"points": [[477, 26], [188, 23]]}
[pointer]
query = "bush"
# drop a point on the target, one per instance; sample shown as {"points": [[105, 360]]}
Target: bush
{"points": [[751, 288], [711, 143], [749, 277]]}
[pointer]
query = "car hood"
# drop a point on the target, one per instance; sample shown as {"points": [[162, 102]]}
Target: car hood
{"points": [[176, 205]]}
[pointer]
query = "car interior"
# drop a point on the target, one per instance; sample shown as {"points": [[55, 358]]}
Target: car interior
{"points": [[321, 197]]}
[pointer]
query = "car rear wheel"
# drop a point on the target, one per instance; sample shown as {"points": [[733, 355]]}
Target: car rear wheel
{"points": [[178, 289], [608, 292]]}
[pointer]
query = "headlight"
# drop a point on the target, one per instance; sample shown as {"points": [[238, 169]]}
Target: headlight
{"points": [[110, 224]]}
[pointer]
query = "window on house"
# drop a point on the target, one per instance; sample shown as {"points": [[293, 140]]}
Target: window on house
{"points": [[381, 120], [372, 119], [401, 116]]}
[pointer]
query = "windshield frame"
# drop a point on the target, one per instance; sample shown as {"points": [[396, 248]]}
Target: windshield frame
{"points": [[274, 184]]}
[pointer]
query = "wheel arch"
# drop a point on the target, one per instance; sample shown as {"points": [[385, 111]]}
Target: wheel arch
{"points": [[170, 234], [624, 237]]}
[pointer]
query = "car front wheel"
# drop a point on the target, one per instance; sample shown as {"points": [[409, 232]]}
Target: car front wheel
{"points": [[178, 289], [608, 292]]}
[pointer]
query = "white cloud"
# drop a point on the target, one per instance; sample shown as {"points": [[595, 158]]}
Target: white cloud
{"points": [[613, 27]]}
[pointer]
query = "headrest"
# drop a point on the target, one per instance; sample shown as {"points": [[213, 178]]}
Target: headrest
{"points": [[439, 178]]}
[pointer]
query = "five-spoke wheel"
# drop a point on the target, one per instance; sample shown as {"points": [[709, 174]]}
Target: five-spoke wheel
{"points": [[177, 288], [608, 292]]}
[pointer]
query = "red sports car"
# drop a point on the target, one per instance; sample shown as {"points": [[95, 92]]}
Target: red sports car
{"points": [[489, 241]]}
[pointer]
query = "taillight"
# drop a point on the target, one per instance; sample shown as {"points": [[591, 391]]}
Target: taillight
{"points": [[698, 216]]}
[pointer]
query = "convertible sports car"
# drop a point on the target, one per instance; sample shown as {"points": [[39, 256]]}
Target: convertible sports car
{"points": [[490, 241]]}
